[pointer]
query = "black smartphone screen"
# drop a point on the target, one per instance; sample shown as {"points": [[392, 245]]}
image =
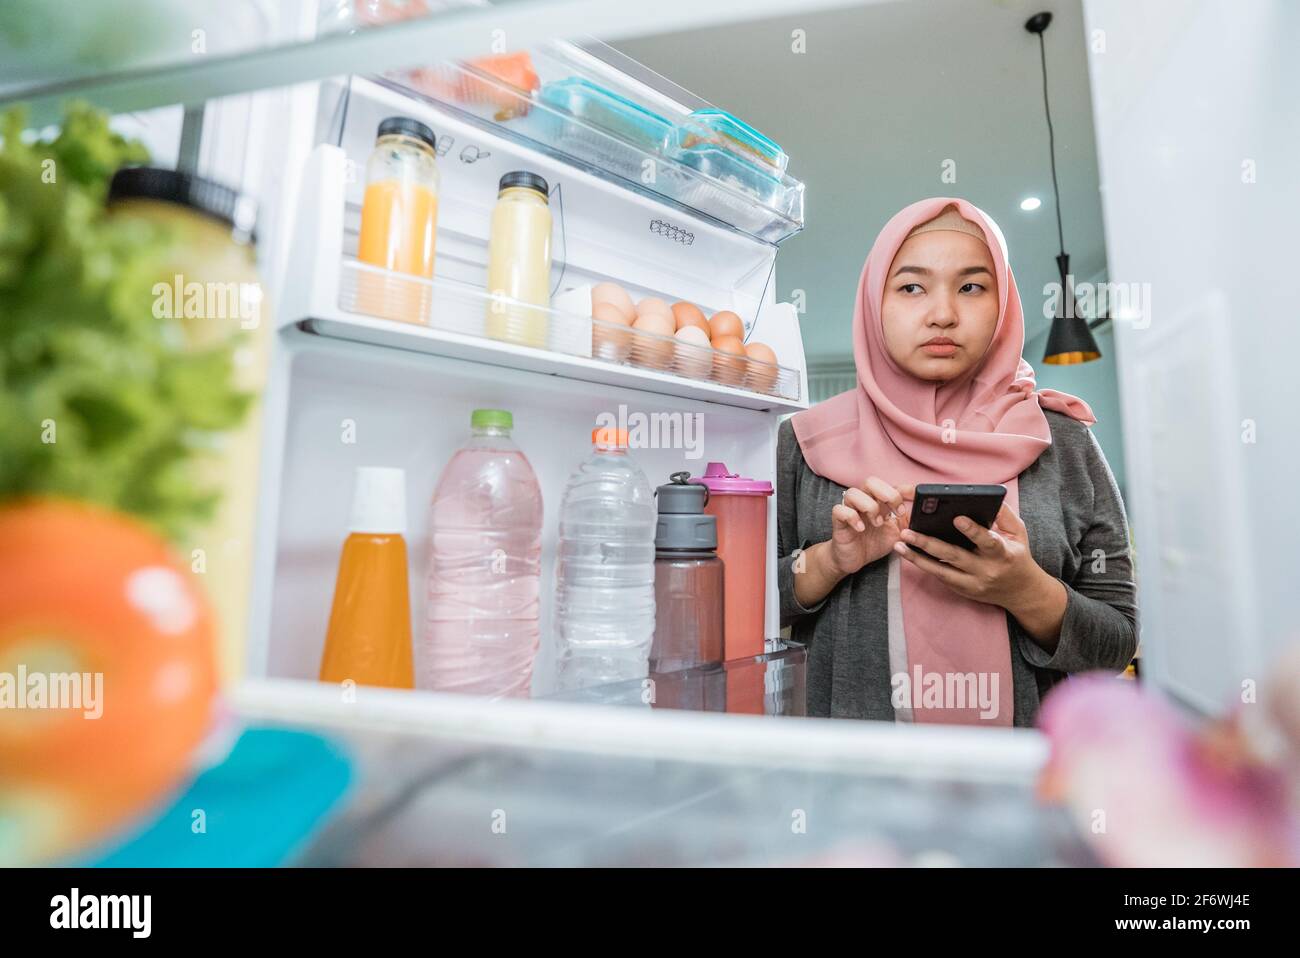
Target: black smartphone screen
{"points": [[937, 504]]}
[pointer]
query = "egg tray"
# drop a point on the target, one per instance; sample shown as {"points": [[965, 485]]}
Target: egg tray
{"points": [[453, 306], [627, 346]]}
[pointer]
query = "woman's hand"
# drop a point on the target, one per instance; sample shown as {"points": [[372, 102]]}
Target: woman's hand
{"points": [[864, 527], [867, 523], [1001, 571]]}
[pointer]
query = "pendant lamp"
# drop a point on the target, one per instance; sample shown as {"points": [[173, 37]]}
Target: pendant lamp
{"points": [[1070, 340]]}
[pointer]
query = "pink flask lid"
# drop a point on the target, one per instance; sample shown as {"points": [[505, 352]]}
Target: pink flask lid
{"points": [[721, 482]]}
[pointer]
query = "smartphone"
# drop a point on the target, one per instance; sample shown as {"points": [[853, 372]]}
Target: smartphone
{"points": [[937, 504]]}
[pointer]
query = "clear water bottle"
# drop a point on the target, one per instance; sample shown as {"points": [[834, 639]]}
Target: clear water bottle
{"points": [[604, 568], [484, 586]]}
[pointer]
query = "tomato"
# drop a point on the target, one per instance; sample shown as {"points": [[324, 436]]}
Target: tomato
{"points": [[94, 609]]}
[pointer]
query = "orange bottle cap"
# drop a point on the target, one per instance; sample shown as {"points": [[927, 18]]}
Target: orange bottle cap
{"points": [[608, 436]]}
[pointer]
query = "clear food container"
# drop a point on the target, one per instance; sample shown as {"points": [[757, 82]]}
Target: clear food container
{"points": [[718, 129], [730, 151], [609, 111]]}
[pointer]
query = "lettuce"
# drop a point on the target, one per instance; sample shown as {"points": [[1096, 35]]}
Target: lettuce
{"points": [[127, 404]]}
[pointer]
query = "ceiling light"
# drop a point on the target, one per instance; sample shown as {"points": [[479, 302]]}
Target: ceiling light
{"points": [[1070, 340], [1030, 203]]}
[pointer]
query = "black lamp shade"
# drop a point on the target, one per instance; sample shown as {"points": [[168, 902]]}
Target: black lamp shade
{"points": [[1070, 341]]}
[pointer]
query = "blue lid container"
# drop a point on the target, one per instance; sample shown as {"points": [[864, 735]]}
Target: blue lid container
{"points": [[609, 111], [710, 130]]}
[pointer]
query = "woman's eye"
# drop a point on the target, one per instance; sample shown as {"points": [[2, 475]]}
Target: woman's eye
{"points": [[972, 287], [909, 288]]}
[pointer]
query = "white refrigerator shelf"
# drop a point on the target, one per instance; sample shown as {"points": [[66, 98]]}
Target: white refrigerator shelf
{"points": [[448, 318], [334, 294]]}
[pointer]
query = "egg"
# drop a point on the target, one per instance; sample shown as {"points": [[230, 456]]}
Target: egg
{"points": [[692, 356], [610, 313], [651, 340], [614, 295], [655, 323], [762, 372], [688, 314], [725, 323], [654, 305], [729, 360], [611, 337]]}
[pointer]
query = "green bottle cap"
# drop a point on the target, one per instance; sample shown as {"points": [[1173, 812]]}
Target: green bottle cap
{"points": [[491, 419]]}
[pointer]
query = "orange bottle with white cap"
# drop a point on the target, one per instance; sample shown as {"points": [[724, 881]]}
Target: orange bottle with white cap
{"points": [[369, 637]]}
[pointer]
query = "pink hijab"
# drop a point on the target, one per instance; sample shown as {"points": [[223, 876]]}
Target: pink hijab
{"points": [[987, 426]]}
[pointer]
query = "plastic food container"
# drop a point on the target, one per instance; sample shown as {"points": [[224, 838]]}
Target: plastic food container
{"points": [[718, 129], [507, 93], [730, 151], [603, 108], [740, 505]]}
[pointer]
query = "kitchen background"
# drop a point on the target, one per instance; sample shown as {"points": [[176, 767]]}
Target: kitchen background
{"points": [[884, 95]]}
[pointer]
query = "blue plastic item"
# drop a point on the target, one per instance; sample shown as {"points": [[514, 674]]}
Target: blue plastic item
{"points": [[718, 129], [260, 806], [731, 151], [609, 111]]}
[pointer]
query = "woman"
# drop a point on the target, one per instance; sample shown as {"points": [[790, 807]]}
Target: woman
{"points": [[943, 395]]}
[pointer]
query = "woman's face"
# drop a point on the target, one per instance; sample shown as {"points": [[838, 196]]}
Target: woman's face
{"points": [[940, 305]]}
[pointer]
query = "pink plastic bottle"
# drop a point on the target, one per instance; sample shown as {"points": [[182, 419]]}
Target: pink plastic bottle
{"points": [[484, 586], [740, 505]]}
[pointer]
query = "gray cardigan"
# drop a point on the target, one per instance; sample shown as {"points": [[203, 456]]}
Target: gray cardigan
{"points": [[1071, 507]]}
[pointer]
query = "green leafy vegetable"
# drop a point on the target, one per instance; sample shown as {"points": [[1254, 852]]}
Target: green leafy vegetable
{"points": [[99, 399]]}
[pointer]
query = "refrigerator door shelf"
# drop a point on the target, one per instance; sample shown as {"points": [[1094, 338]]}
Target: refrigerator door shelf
{"points": [[455, 307], [632, 153], [448, 318], [337, 295], [625, 345]]}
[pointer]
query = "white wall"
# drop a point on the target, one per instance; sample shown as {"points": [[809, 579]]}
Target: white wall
{"points": [[1187, 96]]}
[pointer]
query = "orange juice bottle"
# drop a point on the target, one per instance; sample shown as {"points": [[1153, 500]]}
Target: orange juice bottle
{"points": [[399, 220], [369, 637]]}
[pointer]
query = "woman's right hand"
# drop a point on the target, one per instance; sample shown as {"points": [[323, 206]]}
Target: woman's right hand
{"points": [[865, 526]]}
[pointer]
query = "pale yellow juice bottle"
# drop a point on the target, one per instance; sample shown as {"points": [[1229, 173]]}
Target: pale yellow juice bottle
{"points": [[519, 261]]}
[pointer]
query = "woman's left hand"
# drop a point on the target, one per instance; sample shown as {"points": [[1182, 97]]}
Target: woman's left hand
{"points": [[1001, 571]]}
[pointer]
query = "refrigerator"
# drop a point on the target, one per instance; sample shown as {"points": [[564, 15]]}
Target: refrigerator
{"points": [[289, 116], [351, 388]]}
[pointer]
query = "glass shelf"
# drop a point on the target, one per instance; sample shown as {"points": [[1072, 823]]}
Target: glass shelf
{"points": [[412, 305], [618, 786], [129, 55], [578, 108], [774, 683], [199, 50]]}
